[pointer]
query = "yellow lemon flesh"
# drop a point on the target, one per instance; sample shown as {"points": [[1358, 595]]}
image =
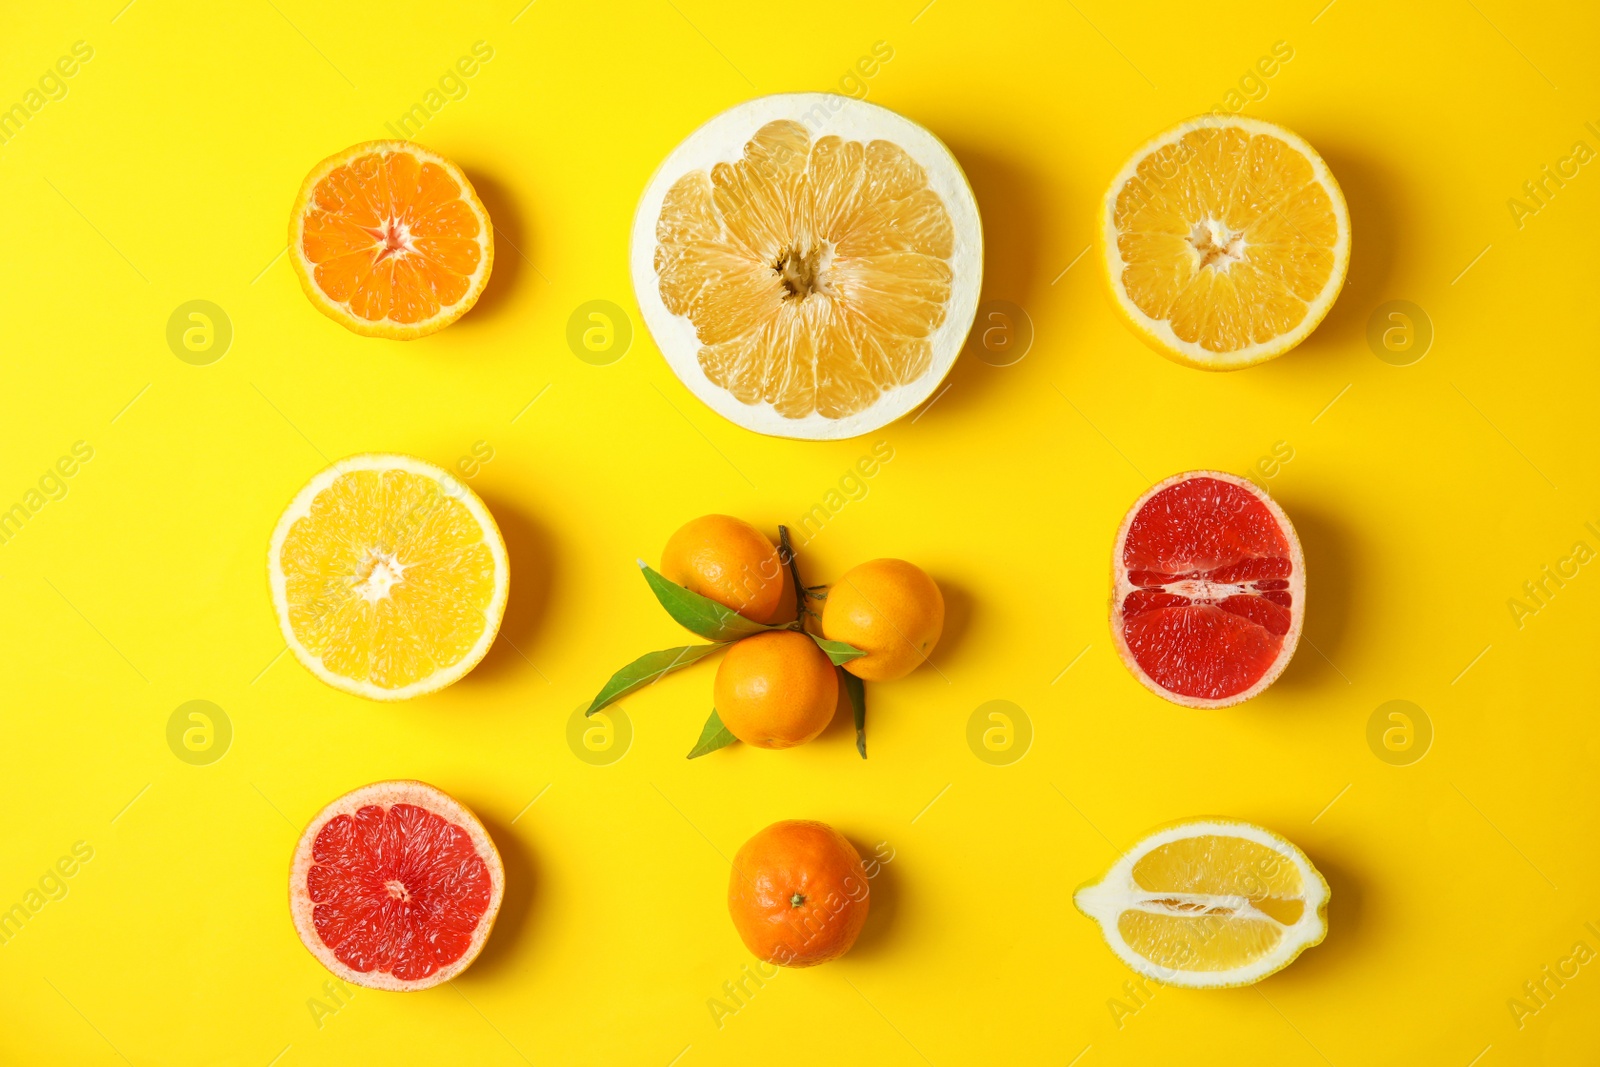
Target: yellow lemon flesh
{"points": [[1209, 903], [389, 577]]}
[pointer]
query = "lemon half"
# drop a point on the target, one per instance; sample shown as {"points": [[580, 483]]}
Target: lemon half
{"points": [[1209, 903], [388, 575]]}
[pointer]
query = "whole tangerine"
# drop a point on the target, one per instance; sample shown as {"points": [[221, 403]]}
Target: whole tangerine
{"points": [[776, 689], [891, 610], [731, 562], [798, 893]]}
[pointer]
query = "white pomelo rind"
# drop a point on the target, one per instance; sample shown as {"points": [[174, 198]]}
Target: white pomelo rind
{"points": [[1158, 333], [385, 795], [300, 507], [722, 140], [1106, 900], [1121, 587]]}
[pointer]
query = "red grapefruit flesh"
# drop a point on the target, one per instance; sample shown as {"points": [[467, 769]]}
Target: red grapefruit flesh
{"points": [[395, 886], [1208, 590]]}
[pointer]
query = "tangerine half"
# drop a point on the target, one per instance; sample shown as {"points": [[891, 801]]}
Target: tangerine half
{"points": [[390, 240]]}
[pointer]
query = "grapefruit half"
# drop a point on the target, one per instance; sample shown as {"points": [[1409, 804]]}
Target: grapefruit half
{"points": [[1208, 590], [395, 886]]}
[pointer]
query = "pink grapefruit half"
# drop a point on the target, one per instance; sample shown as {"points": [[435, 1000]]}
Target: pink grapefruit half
{"points": [[395, 886], [1208, 590]]}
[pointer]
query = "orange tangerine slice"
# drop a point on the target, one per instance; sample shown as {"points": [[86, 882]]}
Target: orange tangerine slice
{"points": [[1225, 241], [389, 240], [809, 264]]}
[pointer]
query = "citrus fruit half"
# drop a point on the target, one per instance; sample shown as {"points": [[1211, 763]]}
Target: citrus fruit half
{"points": [[891, 610], [388, 575], [389, 240], [776, 689], [798, 893], [1209, 903], [395, 886], [809, 264], [1225, 241], [1208, 590]]}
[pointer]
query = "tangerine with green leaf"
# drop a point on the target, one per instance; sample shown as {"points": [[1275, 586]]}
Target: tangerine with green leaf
{"points": [[891, 610], [730, 561], [776, 689]]}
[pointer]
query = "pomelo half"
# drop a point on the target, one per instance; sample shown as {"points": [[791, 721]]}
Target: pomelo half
{"points": [[809, 264], [395, 886], [1208, 590]]}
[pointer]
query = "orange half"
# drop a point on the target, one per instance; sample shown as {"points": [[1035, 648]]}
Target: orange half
{"points": [[1225, 240], [389, 240]]}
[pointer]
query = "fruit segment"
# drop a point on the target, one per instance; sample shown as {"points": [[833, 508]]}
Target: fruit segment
{"points": [[809, 264], [389, 577], [398, 890]]}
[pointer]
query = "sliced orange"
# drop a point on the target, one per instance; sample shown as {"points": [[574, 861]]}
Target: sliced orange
{"points": [[1225, 241], [809, 264], [388, 576], [389, 240]]}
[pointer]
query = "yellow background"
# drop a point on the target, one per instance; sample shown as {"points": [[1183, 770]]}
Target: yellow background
{"points": [[1426, 495]]}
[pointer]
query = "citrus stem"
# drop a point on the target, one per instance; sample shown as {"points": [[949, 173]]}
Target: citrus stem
{"points": [[786, 551], [797, 900]]}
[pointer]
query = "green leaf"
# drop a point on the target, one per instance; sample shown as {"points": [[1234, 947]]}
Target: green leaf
{"points": [[838, 651], [702, 615], [712, 737], [647, 669], [858, 701]]}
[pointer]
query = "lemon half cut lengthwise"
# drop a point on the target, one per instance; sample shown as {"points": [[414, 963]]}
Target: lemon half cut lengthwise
{"points": [[809, 264], [1225, 241], [388, 575], [1209, 903]]}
